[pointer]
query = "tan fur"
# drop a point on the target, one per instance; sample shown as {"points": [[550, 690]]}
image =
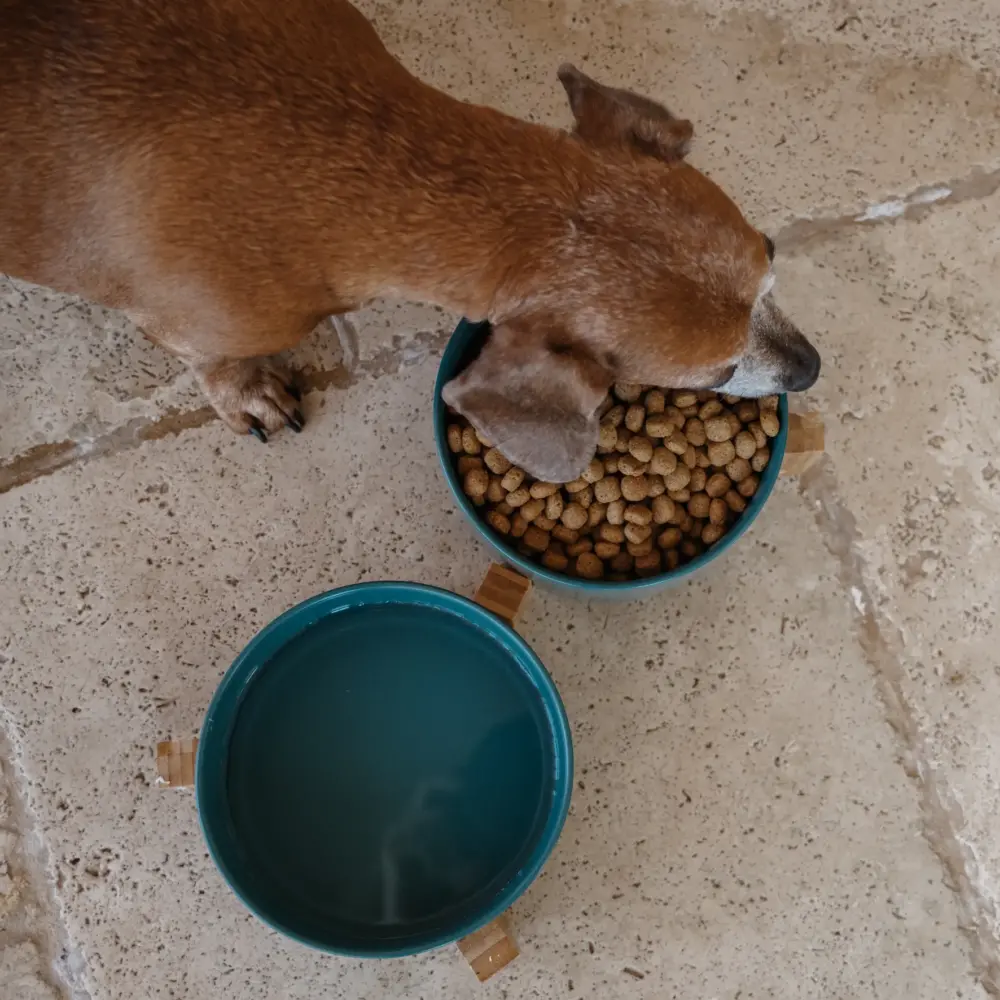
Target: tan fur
{"points": [[232, 171]]}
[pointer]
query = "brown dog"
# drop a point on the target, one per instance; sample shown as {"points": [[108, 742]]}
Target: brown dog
{"points": [[232, 171]]}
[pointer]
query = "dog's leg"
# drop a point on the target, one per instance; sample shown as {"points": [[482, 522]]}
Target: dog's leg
{"points": [[253, 396]]}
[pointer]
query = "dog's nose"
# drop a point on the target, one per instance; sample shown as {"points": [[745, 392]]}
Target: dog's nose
{"points": [[805, 367]]}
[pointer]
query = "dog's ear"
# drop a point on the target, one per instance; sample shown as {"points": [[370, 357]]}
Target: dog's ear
{"points": [[606, 116], [535, 398]]}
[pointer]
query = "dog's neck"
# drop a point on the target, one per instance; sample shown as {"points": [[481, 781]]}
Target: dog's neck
{"points": [[474, 205]]}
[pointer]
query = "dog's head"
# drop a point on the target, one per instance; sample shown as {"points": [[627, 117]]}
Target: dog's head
{"points": [[656, 278]]}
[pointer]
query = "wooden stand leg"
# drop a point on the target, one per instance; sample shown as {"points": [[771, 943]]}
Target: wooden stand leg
{"points": [[175, 763], [502, 592], [806, 441], [489, 949]]}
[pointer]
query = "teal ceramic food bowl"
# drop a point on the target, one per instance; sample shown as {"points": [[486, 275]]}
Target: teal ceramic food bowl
{"points": [[384, 769], [463, 348]]}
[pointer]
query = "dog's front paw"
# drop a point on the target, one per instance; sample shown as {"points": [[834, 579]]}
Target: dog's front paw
{"points": [[252, 397]]}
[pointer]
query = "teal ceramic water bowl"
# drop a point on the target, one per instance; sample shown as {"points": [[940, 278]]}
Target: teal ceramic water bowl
{"points": [[463, 348], [384, 769]]}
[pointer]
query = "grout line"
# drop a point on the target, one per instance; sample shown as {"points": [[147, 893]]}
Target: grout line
{"points": [[942, 815], [46, 459], [802, 233]]}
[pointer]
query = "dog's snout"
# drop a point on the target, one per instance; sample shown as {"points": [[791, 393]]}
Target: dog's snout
{"points": [[804, 368]]}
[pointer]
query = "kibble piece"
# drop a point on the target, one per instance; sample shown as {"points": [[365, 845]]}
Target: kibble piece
{"points": [[504, 508], [760, 459], [637, 532], [539, 491], [629, 465], [554, 506], [545, 523], [735, 502], [634, 488], [663, 461], [729, 399], [663, 510], [614, 416], [659, 425], [616, 512], [471, 444], [640, 548], [675, 416], [536, 539], [518, 526], [769, 423], [478, 501], [759, 437], [607, 436], [606, 405], [581, 545], [718, 511], [624, 436], [518, 497], [496, 462], [575, 485], [595, 513], [672, 558], [718, 429], [711, 533], [635, 417], [467, 463], [690, 548], [698, 504], [687, 523], [574, 516], [648, 565], [690, 411], [532, 509], [717, 485], [690, 457], [738, 469], [589, 566], [710, 409], [594, 471], [678, 479], [628, 392], [512, 479], [498, 522], [495, 492], [721, 453], [684, 398], [670, 538], [656, 401], [608, 489], [476, 482], [680, 496], [745, 444], [746, 410], [676, 443], [606, 550], [565, 535], [656, 485], [611, 464], [554, 560], [454, 438], [641, 448], [767, 403], [637, 513], [748, 487], [694, 431], [611, 533], [622, 563], [584, 497], [699, 477]]}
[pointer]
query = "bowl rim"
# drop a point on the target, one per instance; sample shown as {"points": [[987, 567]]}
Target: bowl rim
{"points": [[447, 369], [214, 741]]}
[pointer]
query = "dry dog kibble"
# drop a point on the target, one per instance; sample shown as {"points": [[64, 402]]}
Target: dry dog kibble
{"points": [[671, 474], [512, 479], [589, 566]]}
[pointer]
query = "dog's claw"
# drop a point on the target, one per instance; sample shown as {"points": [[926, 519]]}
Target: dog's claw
{"points": [[258, 431], [296, 393], [296, 421]]}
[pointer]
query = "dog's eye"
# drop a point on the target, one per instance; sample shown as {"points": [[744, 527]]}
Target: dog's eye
{"points": [[769, 247]]}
